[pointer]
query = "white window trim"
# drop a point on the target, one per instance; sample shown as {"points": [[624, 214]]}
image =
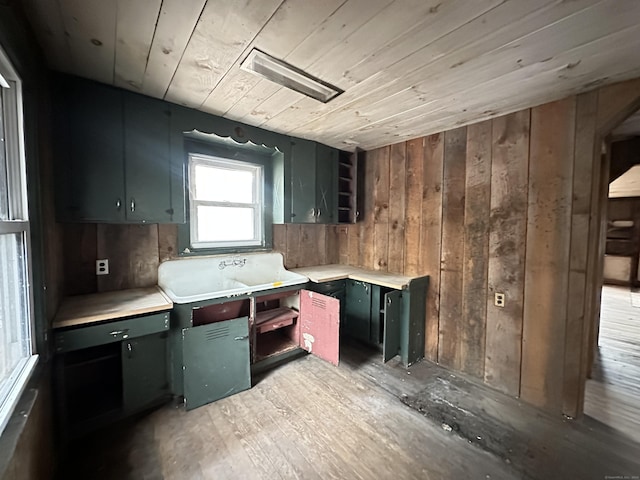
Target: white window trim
{"points": [[196, 159], [18, 209]]}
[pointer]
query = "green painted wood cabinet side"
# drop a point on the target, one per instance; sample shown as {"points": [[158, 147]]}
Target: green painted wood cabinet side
{"points": [[412, 329]]}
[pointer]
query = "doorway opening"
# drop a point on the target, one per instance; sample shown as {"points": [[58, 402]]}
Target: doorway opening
{"points": [[612, 391]]}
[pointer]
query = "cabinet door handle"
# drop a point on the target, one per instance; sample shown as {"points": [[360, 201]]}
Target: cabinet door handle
{"points": [[318, 213], [133, 204], [118, 204], [129, 350], [117, 333], [241, 338]]}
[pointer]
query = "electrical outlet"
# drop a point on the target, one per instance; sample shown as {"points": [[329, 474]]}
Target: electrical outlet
{"points": [[102, 267], [499, 300]]}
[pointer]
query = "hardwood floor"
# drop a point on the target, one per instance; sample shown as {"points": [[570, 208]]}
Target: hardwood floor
{"points": [[309, 419], [306, 419], [613, 394]]}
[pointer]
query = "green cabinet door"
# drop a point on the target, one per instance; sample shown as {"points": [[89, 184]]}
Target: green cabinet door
{"points": [[303, 181], [147, 160], [95, 154], [216, 361], [326, 184], [392, 324], [144, 371], [358, 310]]}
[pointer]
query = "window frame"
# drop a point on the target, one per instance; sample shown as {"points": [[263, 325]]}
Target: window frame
{"points": [[17, 223], [258, 205], [194, 142]]}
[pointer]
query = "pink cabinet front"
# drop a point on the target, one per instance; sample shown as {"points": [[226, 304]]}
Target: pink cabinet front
{"points": [[319, 324]]}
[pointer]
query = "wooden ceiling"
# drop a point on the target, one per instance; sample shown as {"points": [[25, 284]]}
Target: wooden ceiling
{"points": [[408, 67], [629, 128]]}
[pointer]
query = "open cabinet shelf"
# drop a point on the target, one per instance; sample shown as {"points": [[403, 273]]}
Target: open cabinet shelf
{"points": [[349, 184]]}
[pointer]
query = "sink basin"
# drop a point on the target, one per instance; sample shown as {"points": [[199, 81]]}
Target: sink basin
{"points": [[203, 278]]}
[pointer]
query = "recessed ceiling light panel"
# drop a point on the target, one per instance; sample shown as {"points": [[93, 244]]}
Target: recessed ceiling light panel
{"points": [[277, 71]]}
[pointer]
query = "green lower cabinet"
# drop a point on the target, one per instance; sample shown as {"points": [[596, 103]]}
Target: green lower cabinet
{"points": [[216, 361], [358, 310], [144, 371]]}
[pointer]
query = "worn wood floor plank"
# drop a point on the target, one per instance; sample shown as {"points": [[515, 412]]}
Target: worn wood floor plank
{"points": [[611, 395]]}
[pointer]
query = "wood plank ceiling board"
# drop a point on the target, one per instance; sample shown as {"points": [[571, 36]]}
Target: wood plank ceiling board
{"points": [[538, 79], [91, 29], [332, 32], [176, 22], [489, 31], [563, 76], [530, 50], [409, 67], [389, 25], [47, 24], [278, 38], [135, 26], [222, 33]]}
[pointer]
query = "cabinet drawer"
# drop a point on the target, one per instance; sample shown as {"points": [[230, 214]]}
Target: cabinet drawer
{"points": [[90, 336]]}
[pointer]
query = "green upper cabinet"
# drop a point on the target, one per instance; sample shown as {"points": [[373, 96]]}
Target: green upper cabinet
{"points": [[90, 184], [303, 181], [113, 161], [326, 184], [314, 176], [147, 160]]}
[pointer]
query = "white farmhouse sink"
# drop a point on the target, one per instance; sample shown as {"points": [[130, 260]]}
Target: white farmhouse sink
{"points": [[194, 279]]}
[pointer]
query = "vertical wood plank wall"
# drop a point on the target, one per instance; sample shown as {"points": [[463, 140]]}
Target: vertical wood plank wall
{"points": [[510, 205], [495, 207], [135, 251]]}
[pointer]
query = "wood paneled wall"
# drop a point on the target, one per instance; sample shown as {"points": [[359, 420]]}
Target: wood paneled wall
{"points": [[512, 205], [502, 206], [136, 251], [304, 245]]}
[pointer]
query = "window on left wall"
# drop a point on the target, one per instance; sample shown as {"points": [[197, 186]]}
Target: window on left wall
{"points": [[17, 358]]}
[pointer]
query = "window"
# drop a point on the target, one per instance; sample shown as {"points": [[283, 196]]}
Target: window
{"points": [[226, 201], [16, 352]]}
